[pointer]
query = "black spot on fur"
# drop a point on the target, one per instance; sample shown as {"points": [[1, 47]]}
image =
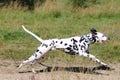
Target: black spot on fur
{"points": [[52, 44], [97, 62], [37, 50], [82, 47], [84, 44], [35, 55], [88, 55], [65, 44], [61, 42], [68, 48], [40, 52], [75, 47], [70, 45], [81, 39], [75, 40], [44, 45]]}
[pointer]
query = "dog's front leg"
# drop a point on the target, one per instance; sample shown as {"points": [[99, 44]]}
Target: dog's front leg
{"points": [[96, 60], [90, 56]]}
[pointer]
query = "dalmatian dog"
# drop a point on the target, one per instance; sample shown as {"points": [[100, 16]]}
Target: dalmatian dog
{"points": [[77, 45]]}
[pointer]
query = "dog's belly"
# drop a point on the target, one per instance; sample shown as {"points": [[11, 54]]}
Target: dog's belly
{"points": [[68, 50], [71, 49]]}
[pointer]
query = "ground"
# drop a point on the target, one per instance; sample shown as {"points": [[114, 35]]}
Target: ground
{"points": [[8, 71]]}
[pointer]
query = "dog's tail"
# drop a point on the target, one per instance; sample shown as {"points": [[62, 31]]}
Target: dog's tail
{"points": [[38, 38]]}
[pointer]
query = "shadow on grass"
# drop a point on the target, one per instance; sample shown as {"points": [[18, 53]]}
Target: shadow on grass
{"points": [[85, 70]]}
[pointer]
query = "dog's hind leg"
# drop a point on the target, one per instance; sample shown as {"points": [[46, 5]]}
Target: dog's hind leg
{"points": [[33, 59], [32, 65], [41, 51]]}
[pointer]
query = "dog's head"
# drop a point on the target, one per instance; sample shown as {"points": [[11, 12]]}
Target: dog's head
{"points": [[98, 36]]}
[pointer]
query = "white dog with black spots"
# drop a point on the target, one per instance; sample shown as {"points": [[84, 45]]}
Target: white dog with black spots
{"points": [[78, 45]]}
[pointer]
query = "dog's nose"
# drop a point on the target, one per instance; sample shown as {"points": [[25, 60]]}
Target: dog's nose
{"points": [[108, 38]]}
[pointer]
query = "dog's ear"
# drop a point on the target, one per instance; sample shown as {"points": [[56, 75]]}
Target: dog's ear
{"points": [[93, 31]]}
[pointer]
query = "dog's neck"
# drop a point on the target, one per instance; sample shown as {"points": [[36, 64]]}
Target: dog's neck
{"points": [[90, 38]]}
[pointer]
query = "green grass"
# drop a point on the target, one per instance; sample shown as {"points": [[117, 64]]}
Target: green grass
{"points": [[60, 22]]}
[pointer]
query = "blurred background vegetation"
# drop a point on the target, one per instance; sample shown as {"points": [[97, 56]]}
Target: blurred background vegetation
{"points": [[32, 4]]}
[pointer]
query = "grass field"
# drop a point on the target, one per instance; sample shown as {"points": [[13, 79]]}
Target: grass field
{"points": [[60, 20]]}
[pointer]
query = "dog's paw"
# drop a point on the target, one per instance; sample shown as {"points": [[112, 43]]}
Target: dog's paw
{"points": [[106, 67]]}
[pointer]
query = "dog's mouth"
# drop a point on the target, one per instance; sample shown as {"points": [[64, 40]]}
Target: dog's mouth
{"points": [[103, 41]]}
